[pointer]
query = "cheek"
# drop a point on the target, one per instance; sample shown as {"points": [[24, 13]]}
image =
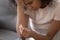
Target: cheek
{"points": [[29, 6], [33, 6], [36, 5]]}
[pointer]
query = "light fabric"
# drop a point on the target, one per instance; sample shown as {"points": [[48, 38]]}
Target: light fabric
{"points": [[42, 18]]}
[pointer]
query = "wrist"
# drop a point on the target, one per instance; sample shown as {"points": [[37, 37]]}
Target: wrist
{"points": [[33, 34], [37, 36]]}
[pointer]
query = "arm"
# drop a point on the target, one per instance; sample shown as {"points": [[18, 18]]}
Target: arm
{"points": [[53, 29], [21, 17]]}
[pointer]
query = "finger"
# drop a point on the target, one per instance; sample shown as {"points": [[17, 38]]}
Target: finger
{"points": [[23, 33], [21, 28]]}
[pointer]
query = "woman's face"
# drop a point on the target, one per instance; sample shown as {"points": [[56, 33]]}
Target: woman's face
{"points": [[32, 4]]}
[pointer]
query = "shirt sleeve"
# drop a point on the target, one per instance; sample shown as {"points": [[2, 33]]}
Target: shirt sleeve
{"points": [[57, 15]]}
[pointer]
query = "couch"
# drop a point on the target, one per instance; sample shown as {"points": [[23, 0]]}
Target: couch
{"points": [[7, 21]]}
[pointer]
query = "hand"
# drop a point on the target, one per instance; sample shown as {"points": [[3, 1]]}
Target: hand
{"points": [[24, 32], [19, 2]]}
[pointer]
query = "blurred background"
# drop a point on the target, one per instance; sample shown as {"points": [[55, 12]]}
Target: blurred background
{"points": [[7, 20]]}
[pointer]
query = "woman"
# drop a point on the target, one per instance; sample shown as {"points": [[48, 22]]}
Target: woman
{"points": [[45, 14]]}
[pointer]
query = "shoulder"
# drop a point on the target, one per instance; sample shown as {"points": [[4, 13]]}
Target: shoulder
{"points": [[57, 2], [56, 5], [57, 11]]}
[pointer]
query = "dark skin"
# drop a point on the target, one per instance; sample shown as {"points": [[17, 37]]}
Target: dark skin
{"points": [[22, 22]]}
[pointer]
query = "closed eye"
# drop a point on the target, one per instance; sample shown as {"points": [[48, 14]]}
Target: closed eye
{"points": [[28, 2]]}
